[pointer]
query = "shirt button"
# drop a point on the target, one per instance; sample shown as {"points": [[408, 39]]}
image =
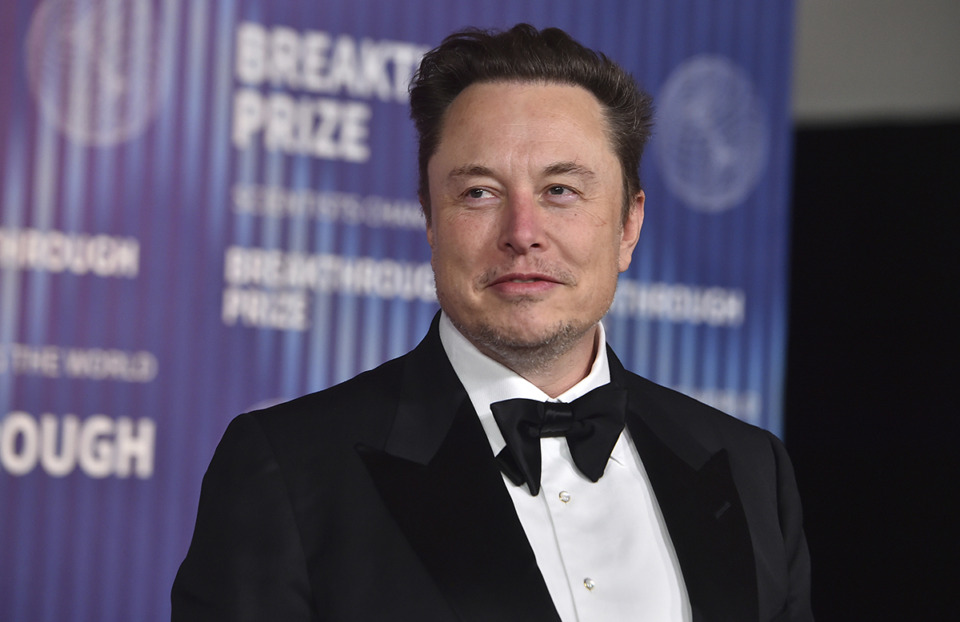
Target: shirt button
{"points": [[589, 583], [565, 496]]}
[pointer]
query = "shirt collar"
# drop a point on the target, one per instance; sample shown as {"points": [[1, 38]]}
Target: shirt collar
{"points": [[487, 381]]}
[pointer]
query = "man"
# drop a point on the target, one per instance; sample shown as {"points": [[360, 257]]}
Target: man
{"points": [[424, 490]]}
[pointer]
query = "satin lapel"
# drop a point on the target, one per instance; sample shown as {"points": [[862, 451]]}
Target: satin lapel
{"points": [[438, 478], [698, 497]]}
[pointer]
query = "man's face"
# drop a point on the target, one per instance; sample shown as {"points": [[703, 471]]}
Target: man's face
{"points": [[526, 230]]}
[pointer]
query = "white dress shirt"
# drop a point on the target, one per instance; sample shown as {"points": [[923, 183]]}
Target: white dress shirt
{"points": [[603, 547]]}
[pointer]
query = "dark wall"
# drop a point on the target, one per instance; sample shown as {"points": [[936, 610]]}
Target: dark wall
{"points": [[872, 416]]}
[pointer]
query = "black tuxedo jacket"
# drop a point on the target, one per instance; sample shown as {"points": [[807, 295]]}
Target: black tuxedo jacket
{"points": [[379, 499]]}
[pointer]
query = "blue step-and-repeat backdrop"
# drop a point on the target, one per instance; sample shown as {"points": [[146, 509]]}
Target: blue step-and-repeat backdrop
{"points": [[206, 206]]}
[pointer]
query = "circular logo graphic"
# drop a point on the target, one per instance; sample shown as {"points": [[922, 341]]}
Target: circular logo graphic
{"points": [[712, 134], [94, 67]]}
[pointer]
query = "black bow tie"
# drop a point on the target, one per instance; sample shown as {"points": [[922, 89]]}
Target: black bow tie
{"points": [[591, 423]]}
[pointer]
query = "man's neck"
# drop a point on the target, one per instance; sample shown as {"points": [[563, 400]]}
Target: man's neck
{"points": [[570, 368]]}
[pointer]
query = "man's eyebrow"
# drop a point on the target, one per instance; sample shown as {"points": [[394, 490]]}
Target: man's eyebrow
{"points": [[471, 170], [569, 168], [557, 168]]}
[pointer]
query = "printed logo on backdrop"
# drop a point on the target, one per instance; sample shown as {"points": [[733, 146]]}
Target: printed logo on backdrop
{"points": [[94, 67], [307, 92], [97, 446], [712, 134], [310, 93]]}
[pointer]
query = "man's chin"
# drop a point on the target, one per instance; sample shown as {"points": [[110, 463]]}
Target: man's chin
{"points": [[516, 333], [524, 346]]}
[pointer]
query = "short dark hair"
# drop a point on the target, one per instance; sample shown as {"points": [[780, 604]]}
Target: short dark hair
{"points": [[524, 54]]}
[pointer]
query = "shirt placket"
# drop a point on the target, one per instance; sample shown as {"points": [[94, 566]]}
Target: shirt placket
{"points": [[566, 496]]}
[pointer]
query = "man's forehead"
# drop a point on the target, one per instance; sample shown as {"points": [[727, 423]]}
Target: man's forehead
{"points": [[502, 128], [549, 109], [534, 111]]}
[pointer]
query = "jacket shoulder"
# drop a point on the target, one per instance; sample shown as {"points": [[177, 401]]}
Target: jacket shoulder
{"points": [[360, 409], [656, 401]]}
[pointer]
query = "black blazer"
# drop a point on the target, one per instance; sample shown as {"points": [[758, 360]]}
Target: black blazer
{"points": [[379, 499]]}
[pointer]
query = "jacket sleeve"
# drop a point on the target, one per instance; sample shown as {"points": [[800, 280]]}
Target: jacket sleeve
{"points": [[245, 562], [798, 608]]}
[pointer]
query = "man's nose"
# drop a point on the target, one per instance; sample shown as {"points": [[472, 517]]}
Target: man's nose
{"points": [[522, 225]]}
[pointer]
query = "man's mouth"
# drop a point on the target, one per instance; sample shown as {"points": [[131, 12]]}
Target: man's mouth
{"points": [[522, 278], [524, 285]]}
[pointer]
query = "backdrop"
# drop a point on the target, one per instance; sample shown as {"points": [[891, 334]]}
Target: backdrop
{"points": [[210, 206]]}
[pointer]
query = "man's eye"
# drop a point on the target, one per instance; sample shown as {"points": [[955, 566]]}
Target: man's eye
{"points": [[557, 190], [476, 193]]}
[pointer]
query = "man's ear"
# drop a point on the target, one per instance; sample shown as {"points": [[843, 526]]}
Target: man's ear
{"points": [[630, 234]]}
